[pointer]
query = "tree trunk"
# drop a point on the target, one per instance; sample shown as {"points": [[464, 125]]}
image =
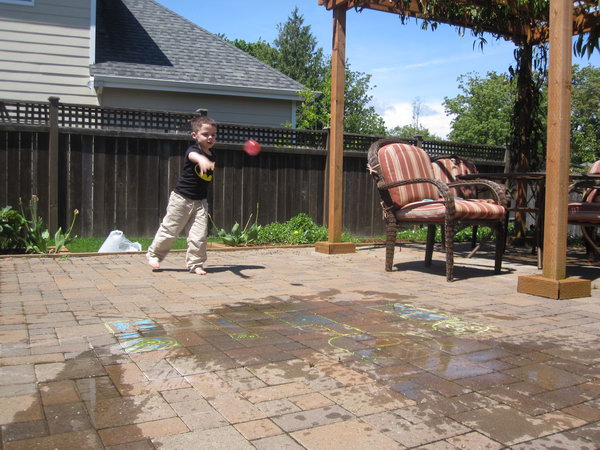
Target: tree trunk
{"points": [[524, 144]]}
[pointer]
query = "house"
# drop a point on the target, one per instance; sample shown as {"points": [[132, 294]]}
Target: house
{"points": [[134, 54]]}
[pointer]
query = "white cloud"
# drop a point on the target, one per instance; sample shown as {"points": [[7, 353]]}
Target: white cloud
{"points": [[461, 58], [432, 116]]}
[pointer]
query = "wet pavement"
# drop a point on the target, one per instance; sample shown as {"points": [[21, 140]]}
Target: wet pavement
{"points": [[290, 349]]}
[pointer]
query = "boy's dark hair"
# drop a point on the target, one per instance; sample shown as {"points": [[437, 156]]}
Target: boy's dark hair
{"points": [[198, 121]]}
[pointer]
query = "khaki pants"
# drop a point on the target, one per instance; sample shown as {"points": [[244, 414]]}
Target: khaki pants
{"points": [[183, 213]]}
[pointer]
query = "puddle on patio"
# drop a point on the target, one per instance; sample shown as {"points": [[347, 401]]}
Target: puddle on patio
{"points": [[338, 356]]}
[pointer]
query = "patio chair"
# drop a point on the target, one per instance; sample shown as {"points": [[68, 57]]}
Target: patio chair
{"points": [[586, 212], [412, 195], [447, 168]]}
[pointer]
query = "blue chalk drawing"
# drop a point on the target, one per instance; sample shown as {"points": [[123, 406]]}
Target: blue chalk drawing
{"points": [[441, 322], [131, 340]]}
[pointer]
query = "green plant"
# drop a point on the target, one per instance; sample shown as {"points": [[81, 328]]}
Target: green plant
{"points": [[240, 236], [36, 236], [11, 229], [61, 239], [419, 234]]}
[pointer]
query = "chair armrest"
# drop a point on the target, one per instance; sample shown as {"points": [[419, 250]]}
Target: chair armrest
{"points": [[584, 184], [498, 191]]}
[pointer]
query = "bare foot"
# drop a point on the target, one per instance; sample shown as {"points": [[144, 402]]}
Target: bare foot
{"points": [[199, 271], [154, 263]]}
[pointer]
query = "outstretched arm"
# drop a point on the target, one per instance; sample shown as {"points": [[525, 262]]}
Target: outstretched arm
{"points": [[203, 162]]}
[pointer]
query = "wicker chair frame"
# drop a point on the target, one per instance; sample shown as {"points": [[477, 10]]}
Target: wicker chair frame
{"points": [[588, 229], [473, 169], [450, 221]]}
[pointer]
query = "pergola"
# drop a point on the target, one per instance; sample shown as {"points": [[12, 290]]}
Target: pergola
{"points": [[556, 26]]}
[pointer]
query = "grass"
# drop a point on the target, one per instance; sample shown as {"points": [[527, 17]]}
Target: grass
{"points": [[299, 230], [92, 244]]}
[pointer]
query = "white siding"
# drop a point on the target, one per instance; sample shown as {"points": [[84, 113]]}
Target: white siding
{"points": [[242, 110], [45, 51]]}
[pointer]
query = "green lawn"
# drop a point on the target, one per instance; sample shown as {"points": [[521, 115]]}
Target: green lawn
{"points": [[92, 244]]}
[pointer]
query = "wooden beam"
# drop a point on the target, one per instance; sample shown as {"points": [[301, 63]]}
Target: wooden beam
{"points": [[335, 158], [558, 153], [553, 282], [583, 21], [336, 147], [413, 10], [332, 4]]}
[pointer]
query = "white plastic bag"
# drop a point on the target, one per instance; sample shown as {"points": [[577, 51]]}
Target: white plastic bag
{"points": [[117, 242]]}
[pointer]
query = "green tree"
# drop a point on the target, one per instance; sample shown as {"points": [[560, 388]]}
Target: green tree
{"points": [[585, 118], [410, 131], [415, 128], [298, 55], [261, 50], [482, 110], [359, 116]]}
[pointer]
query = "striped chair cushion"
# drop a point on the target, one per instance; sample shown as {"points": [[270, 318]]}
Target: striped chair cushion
{"points": [[401, 162], [447, 170], [584, 212], [434, 211]]}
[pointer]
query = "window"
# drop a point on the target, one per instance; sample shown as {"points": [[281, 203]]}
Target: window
{"points": [[18, 2]]}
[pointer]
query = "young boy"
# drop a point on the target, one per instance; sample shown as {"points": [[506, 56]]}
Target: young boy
{"points": [[188, 206]]}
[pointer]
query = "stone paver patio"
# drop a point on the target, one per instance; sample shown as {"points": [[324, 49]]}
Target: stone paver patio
{"points": [[291, 349]]}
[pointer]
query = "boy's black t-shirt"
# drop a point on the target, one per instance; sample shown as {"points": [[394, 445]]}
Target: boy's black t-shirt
{"points": [[190, 184]]}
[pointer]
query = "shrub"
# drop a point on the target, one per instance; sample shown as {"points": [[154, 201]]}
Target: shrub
{"points": [[19, 234], [12, 224], [300, 229]]}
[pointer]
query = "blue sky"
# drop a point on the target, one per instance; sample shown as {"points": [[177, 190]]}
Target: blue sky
{"points": [[406, 63]]}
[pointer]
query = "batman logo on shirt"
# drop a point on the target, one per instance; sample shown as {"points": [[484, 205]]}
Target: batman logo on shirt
{"points": [[207, 176]]}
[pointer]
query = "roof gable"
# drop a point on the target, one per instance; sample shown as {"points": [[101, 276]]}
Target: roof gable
{"points": [[142, 40]]}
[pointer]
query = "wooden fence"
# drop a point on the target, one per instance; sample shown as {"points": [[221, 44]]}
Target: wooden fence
{"points": [[121, 179]]}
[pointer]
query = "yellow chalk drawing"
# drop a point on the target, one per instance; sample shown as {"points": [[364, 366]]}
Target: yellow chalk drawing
{"points": [[232, 329], [148, 344], [363, 344]]}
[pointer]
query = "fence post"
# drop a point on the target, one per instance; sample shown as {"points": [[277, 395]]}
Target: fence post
{"points": [[419, 139], [53, 166], [506, 160], [326, 176]]}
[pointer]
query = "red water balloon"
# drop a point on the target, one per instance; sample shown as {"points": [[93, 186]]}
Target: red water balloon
{"points": [[252, 147]]}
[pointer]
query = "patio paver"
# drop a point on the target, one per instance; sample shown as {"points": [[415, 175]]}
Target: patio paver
{"points": [[289, 348]]}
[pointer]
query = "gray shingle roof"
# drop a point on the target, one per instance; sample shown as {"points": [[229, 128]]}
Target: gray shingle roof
{"points": [[142, 39]]}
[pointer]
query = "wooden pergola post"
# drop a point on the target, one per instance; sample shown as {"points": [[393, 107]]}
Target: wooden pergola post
{"points": [[553, 282], [334, 244]]}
